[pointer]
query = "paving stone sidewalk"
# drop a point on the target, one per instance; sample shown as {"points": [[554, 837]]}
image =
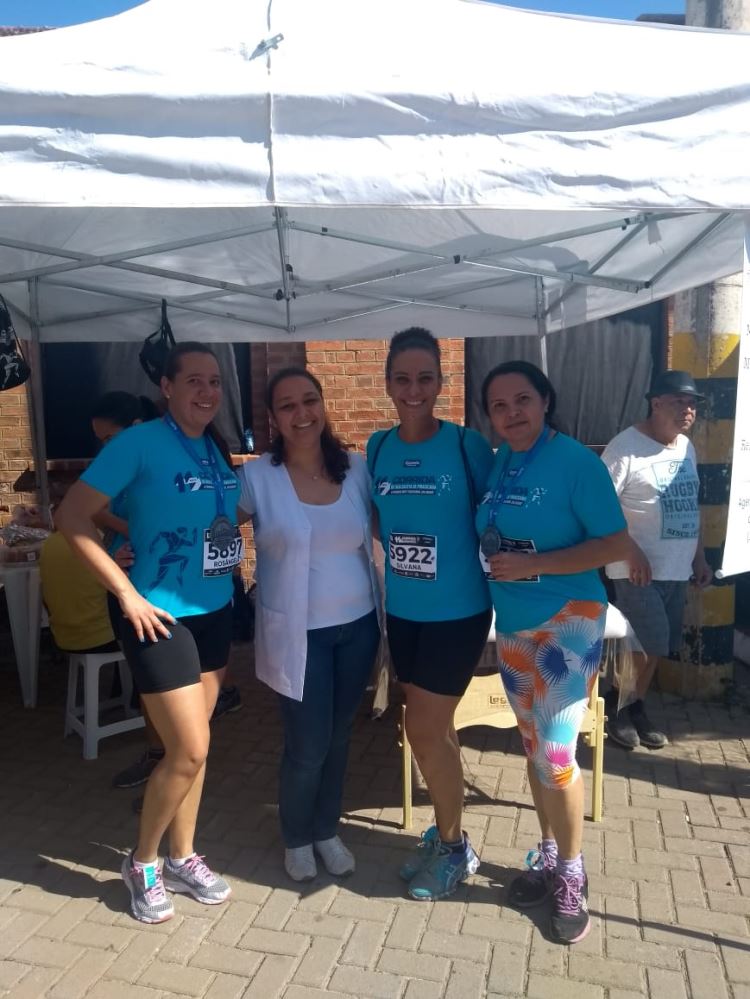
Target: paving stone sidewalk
{"points": [[669, 869]]}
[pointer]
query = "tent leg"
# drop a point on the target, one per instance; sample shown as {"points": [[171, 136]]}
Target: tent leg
{"points": [[35, 395]]}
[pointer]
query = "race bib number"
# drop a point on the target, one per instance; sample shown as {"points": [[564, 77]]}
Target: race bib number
{"points": [[413, 555], [220, 557], [510, 545]]}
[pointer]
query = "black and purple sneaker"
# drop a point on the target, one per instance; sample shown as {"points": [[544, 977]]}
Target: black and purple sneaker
{"points": [[570, 921]]}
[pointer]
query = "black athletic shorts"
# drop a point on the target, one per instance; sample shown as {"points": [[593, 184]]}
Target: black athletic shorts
{"points": [[199, 644], [439, 656]]}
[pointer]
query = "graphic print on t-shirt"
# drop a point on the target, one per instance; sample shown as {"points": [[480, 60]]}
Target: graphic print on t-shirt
{"points": [[191, 482], [405, 485], [173, 557], [678, 499]]}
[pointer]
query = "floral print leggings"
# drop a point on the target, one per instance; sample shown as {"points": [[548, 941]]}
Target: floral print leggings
{"points": [[548, 673]]}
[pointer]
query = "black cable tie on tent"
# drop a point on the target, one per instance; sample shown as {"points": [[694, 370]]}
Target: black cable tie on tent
{"points": [[456, 258], [14, 370]]}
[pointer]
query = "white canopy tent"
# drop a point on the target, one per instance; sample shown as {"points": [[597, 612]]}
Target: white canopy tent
{"points": [[280, 169]]}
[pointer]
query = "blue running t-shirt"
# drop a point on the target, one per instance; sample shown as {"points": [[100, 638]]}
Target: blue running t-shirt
{"points": [[426, 511], [561, 500], [170, 503]]}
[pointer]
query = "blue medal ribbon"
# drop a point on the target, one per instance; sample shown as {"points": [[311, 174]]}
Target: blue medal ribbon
{"points": [[210, 461], [501, 490]]}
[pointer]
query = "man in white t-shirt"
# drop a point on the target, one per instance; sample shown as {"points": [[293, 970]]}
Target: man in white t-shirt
{"points": [[653, 467]]}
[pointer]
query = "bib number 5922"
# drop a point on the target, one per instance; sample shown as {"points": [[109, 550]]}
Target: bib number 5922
{"points": [[413, 555]]}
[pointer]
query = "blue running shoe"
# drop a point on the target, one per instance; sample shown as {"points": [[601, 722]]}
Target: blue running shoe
{"points": [[421, 855], [444, 872]]}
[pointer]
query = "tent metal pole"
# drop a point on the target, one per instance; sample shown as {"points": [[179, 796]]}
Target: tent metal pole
{"points": [[567, 292], [541, 325], [704, 234], [439, 303], [84, 260], [287, 272], [567, 277], [36, 397]]}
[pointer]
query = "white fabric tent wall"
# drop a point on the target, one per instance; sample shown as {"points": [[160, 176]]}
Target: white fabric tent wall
{"points": [[281, 170]]}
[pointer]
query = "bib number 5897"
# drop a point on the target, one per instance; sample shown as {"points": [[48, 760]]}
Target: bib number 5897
{"points": [[230, 550]]}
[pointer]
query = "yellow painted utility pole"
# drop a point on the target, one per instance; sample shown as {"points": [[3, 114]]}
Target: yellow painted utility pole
{"points": [[706, 343]]}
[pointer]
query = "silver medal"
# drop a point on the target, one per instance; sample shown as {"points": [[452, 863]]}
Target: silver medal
{"points": [[491, 541], [221, 532]]}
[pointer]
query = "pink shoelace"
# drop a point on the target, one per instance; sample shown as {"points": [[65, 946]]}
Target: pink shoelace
{"points": [[200, 870], [568, 893]]}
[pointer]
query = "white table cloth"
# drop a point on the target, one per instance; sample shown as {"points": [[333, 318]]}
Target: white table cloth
{"points": [[23, 591]]}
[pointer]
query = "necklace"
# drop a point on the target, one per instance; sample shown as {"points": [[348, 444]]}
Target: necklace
{"points": [[315, 476]]}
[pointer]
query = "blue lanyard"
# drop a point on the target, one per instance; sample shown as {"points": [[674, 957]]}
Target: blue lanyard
{"points": [[501, 490], [209, 461]]}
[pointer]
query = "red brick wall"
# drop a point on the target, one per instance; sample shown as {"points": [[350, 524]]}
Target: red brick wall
{"points": [[353, 379], [352, 373]]}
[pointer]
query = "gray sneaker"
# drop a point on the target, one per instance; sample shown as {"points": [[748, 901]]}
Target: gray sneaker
{"points": [[196, 878], [148, 900]]}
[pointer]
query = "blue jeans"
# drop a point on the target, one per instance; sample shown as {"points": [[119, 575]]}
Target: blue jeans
{"points": [[317, 729]]}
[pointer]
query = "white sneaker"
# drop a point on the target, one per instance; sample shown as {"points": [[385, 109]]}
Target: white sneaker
{"points": [[299, 862], [338, 860]]}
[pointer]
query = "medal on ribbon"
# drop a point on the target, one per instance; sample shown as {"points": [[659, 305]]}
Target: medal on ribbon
{"points": [[221, 531], [222, 541], [490, 541]]}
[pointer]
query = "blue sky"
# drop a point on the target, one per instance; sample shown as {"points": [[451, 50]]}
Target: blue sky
{"points": [[58, 12]]}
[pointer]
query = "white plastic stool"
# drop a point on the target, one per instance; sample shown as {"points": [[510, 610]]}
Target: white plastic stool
{"points": [[89, 728]]}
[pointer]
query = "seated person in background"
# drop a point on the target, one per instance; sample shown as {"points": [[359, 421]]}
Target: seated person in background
{"points": [[76, 602]]}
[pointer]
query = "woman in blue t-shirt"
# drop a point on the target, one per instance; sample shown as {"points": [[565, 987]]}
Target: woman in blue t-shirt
{"points": [[176, 606], [549, 519], [427, 475]]}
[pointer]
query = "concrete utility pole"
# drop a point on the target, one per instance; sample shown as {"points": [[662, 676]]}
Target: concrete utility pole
{"points": [[706, 343]]}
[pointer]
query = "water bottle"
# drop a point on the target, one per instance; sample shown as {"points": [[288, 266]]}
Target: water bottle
{"points": [[249, 440]]}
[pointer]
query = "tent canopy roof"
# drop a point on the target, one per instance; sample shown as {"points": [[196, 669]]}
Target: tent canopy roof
{"points": [[283, 170]]}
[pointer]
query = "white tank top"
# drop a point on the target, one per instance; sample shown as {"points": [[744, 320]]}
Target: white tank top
{"points": [[340, 589]]}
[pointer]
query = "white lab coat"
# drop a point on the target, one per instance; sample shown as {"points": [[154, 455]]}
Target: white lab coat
{"points": [[282, 549]]}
